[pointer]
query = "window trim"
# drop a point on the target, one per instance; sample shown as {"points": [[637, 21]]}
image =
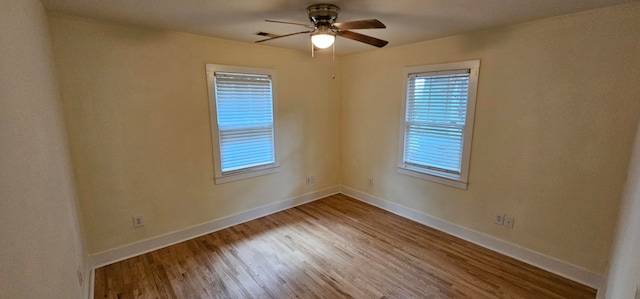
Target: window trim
{"points": [[246, 173], [462, 182]]}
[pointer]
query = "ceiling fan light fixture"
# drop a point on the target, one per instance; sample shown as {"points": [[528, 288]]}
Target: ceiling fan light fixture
{"points": [[323, 40]]}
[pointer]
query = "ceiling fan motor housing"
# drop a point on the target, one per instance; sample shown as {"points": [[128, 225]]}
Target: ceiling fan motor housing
{"points": [[323, 14]]}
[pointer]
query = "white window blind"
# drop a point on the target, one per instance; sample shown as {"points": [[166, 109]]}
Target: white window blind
{"points": [[244, 110], [436, 112]]}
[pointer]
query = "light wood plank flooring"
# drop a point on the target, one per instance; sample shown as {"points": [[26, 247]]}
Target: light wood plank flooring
{"points": [[335, 247]]}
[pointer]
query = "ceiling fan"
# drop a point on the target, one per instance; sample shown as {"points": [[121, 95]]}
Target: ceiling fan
{"points": [[324, 28]]}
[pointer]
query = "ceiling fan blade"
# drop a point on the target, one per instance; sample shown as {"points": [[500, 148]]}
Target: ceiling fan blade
{"points": [[265, 34], [290, 23], [361, 24], [279, 36], [363, 38]]}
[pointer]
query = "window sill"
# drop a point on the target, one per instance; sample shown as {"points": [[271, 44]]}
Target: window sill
{"points": [[433, 178], [245, 175]]}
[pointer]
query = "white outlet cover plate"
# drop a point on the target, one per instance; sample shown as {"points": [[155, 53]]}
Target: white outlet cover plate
{"points": [[508, 221], [498, 219]]}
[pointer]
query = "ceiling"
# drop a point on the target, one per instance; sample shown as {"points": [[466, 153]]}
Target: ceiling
{"points": [[407, 21]]}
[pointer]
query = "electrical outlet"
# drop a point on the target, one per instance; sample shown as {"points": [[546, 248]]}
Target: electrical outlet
{"points": [[138, 221], [508, 221], [311, 180], [370, 182], [498, 219]]}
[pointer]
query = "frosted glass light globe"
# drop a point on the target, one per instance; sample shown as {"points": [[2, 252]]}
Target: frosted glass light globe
{"points": [[323, 40]]}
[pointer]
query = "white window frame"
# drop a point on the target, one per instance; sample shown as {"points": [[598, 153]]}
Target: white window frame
{"points": [[460, 181], [249, 172]]}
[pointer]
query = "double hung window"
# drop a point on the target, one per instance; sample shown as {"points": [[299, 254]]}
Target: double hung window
{"points": [[242, 121], [438, 121]]}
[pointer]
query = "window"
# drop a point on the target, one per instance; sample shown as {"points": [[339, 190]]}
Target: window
{"points": [[242, 104], [438, 121]]}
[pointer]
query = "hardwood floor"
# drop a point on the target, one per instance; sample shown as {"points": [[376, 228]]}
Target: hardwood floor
{"points": [[335, 247]]}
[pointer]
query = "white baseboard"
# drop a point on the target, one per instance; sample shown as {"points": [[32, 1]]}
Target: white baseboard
{"points": [[124, 252], [553, 265]]}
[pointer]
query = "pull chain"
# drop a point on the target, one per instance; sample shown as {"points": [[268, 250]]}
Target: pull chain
{"points": [[333, 61], [333, 58]]}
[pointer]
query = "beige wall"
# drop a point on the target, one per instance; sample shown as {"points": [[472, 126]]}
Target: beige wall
{"points": [[557, 109], [138, 119], [41, 245]]}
